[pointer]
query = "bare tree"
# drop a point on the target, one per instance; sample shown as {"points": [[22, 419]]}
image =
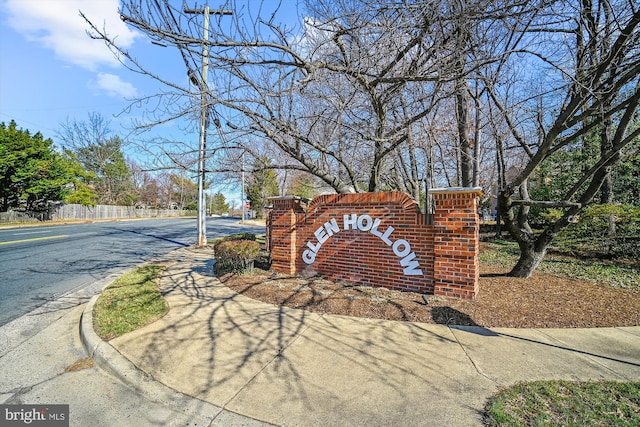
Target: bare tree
{"points": [[99, 151], [363, 94], [337, 95], [587, 54]]}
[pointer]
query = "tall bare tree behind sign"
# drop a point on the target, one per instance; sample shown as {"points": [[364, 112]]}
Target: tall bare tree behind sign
{"points": [[373, 95]]}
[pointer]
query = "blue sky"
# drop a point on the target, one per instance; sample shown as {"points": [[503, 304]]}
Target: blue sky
{"points": [[51, 71]]}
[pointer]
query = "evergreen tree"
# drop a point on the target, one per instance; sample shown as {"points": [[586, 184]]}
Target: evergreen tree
{"points": [[32, 172], [99, 151], [262, 184], [112, 175], [626, 178], [218, 204], [304, 185]]}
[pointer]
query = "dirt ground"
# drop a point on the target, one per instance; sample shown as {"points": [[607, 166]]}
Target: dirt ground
{"points": [[542, 301]]}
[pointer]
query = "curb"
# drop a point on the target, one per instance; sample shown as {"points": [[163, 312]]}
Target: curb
{"points": [[106, 356], [112, 361], [109, 359]]}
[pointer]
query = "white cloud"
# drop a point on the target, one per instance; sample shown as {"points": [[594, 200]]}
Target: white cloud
{"points": [[114, 86], [57, 25]]}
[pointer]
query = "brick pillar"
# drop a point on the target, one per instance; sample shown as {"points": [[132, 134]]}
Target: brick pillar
{"points": [[456, 241], [283, 233]]}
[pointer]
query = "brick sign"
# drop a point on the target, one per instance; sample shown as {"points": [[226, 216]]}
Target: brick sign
{"points": [[401, 248], [380, 239]]}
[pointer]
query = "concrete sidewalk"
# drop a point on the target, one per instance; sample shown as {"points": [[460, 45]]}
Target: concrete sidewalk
{"points": [[290, 367]]}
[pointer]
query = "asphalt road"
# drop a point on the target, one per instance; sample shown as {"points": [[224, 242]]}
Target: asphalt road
{"points": [[43, 264]]}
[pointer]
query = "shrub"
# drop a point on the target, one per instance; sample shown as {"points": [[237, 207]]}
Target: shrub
{"points": [[237, 236], [595, 220], [241, 236], [235, 255], [590, 235]]}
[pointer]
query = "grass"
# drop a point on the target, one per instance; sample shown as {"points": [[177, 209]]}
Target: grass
{"points": [[505, 253], [130, 302], [565, 403]]}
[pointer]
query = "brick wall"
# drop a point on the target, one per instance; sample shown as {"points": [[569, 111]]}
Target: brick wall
{"points": [[456, 243], [380, 239]]}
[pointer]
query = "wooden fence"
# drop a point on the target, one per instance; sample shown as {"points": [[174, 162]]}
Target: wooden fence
{"points": [[88, 213]]}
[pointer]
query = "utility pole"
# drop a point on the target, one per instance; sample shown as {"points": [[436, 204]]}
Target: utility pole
{"points": [[202, 206], [243, 198]]}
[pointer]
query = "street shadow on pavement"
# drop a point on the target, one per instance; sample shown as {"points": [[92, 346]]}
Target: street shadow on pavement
{"points": [[569, 349], [287, 365]]}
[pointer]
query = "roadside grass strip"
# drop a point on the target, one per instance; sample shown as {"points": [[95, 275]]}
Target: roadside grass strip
{"points": [[132, 301], [566, 403]]}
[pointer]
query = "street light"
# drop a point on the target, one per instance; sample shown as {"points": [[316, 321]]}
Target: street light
{"points": [[202, 206]]}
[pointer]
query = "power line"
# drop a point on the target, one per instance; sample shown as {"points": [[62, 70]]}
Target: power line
{"points": [[204, 114]]}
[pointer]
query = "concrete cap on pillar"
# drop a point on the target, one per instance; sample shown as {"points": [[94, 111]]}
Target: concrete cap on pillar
{"points": [[285, 198], [452, 190]]}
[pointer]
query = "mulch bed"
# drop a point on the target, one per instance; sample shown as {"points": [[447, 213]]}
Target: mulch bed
{"points": [[541, 301]]}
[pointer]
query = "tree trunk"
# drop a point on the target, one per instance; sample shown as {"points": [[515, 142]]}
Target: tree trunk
{"points": [[477, 135], [530, 259], [462, 108], [606, 133], [466, 157], [606, 190], [607, 198], [532, 250]]}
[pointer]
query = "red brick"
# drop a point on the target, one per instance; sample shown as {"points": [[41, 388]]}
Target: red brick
{"points": [[446, 251]]}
